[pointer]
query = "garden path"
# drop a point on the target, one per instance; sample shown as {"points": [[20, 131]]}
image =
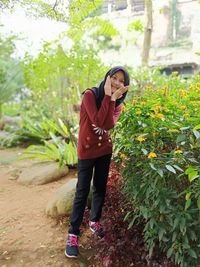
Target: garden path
{"points": [[27, 237]]}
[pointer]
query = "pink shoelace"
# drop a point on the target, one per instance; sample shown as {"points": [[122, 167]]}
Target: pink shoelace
{"points": [[72, 240]]}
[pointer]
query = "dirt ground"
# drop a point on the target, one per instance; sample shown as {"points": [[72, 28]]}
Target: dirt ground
{"points": [[27, 236]]}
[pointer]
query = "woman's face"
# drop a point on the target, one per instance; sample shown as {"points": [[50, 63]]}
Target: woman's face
{"points": [[117, 80]]}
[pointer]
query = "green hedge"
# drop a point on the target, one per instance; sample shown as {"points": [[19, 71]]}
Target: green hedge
{"points": [[158, 147]]}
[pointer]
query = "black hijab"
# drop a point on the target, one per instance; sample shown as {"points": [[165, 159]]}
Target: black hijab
{"points": [[99, 91]]}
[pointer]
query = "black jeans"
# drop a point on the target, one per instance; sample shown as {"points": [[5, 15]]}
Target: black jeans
{"points": [[98, 168]]}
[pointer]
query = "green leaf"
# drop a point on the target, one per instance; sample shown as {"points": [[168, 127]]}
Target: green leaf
{"points": [[174, 236], [176, 222], [152, 166], [197, 127], [185, 128], [160, 172], [181, 138], [170, 168], [187, 196], [127, 215], [178, 168], [189, 169], [198, 202], [161, 232], [192, 253], [144, 151], [193, 175], [188, 203], [196, 133], [169, 252], [183, 225], [132, 221]]}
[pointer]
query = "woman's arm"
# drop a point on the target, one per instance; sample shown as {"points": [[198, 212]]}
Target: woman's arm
{"points": [[96, 116], [113, 117]]}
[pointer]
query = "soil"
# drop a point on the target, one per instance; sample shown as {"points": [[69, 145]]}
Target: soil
{"points": [[27, 236]]}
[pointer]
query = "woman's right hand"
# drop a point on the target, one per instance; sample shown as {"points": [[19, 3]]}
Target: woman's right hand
{"points": [[107, 86]]}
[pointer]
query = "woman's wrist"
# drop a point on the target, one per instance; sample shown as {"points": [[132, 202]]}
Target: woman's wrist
{"points": [[113, 98], [108, 94]]}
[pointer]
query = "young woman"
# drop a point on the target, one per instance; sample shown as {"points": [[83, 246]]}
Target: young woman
{"points": [[99, 112]]}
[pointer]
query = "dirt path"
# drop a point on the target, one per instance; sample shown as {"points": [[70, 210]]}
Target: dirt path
{"points": [[27, 236]]}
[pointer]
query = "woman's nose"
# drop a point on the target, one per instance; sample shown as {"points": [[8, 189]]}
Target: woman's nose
{"points": [[117, 82]]}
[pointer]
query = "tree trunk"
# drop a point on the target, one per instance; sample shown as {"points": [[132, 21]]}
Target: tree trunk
{"points": [[147, 32]]}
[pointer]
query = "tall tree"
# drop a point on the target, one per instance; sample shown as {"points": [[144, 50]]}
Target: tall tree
{"points": [[147, 32]]}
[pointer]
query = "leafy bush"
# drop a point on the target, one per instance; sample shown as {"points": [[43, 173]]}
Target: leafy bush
{"points": [[157, 141], [122, 246], [58, 141], [59, 150]]}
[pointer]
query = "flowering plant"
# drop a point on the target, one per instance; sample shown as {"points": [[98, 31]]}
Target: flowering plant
{"points": [[157, 140]]}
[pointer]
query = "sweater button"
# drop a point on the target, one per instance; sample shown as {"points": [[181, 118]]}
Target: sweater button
{"points": [[109, 140], [100, 137], [88, 138], [87, 146], [99, 144]]}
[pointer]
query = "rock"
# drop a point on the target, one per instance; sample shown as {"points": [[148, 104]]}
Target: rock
{"points": [[10, 120], [14, 174], [42, 173], [62, 201]]}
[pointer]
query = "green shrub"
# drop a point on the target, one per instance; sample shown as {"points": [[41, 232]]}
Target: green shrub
{"points": [[157, 144]]}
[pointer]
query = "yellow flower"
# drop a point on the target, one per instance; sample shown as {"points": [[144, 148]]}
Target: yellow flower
{"points": [[140, 139], [178, 151], [165, 90], [123, 109], [143, 103], [182, 93], [139, 112], [152, 155], [134, 101], [175, 73], [159, 116], [185, 115], [183, 107], [122, 156], [156, 108]]}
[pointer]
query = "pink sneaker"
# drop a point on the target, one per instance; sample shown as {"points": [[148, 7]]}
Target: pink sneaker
{"points": [[71, 250], [97, 229]]}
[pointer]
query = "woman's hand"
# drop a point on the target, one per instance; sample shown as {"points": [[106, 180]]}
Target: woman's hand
{"points": [[119, 92], [107, 86]]}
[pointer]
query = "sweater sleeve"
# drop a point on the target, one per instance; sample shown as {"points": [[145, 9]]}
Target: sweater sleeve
{"points": [[110, 121], [96, 116]]}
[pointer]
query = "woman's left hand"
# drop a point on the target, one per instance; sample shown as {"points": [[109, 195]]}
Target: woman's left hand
{"points": [[118, 94]]}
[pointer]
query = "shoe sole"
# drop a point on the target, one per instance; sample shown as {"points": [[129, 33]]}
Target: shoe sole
{"points": [[70, 256], [92, 230]]}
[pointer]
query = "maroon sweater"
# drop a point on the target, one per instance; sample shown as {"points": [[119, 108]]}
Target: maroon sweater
{"points": [[94, 139]]}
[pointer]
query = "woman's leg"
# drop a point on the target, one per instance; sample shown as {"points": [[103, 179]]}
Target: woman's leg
{"points": [[100, 178], [85, 171]]}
